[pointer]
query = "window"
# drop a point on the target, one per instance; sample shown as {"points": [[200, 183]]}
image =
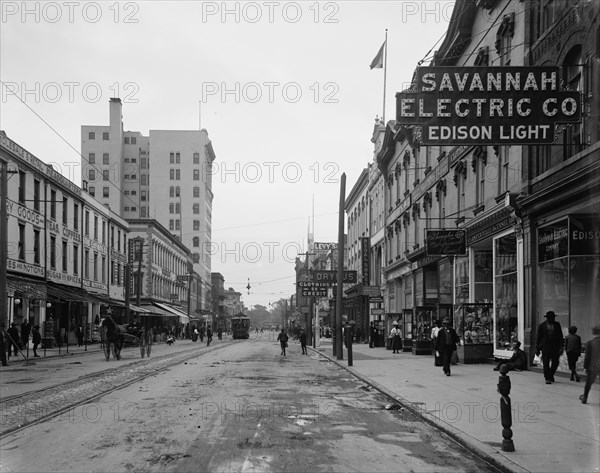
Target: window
{"points": [[105, 136], [196, 191], [112, 272], [172, 158], [92, 191], [196, 208], [103, 232], [96, 227], [92, 175], [196, 174], [22, 188], [65, 259], [502, 169], [91, 135], [177, 158], [22, 241], [36, 195], [105, 175], [504, 39], [86, 264], [541, 161], [572, 78], [126, 141], [87, 223], [134, 209], [133, 140], [144, 180], [119, 240], [133, 192], [53, 252], [126, 209], [177, 227], [75, 259], [105, 192], [177, 174], [75, 216], [65, 211], [172, 191], [144, 163], [133, 160], [143, 196], [105, 158], [177, 208], [195, 242], [133, 177], [171, 208], [177, 191], [196, 158], [112, 237], [53, 205], [92, 158], [171, 224], [103, 269], [36, 246], [143, 212], [172, 174], [126, 176], [196, 225]]}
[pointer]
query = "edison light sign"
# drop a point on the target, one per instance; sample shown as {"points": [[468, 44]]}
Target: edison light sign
{"points": [[488, 105]]}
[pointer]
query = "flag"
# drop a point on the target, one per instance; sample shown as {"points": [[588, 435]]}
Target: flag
{"points": [[377, 63]]}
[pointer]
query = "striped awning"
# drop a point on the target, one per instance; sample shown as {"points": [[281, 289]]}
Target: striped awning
{"points": [[26, 287]]}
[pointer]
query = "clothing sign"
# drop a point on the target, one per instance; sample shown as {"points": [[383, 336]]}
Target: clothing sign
{"points": [[445, 242]]}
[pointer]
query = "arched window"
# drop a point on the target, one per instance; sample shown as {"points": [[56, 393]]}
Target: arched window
{"points": [[572, 76]]}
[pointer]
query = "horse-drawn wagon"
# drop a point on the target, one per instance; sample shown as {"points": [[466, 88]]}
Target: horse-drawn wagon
{"points": [[114, 336]]}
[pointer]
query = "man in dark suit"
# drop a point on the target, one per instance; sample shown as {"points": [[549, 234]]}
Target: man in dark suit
{"points": [[549, 343], [445, 344]]}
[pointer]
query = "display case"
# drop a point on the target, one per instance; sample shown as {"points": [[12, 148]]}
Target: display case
{"points": [[474, 325], [421, 329], [407, 330]]}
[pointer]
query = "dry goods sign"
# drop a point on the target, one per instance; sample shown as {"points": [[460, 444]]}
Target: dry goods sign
{"points": [[488, 105]]}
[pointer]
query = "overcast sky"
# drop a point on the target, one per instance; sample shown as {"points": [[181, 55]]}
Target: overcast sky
{"points": [[284, 90]]}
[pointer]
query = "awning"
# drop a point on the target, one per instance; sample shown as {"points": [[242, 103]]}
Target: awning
{"points": [[141, 310], [156, 309], [183, 316], [172, 310], [67, 294], [30, 289]]}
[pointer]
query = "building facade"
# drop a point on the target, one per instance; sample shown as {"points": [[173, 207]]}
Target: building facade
{"points": [[166, 176]]}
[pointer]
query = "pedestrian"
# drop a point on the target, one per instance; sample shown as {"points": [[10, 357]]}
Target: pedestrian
{"points": [[591, 362], [25, 332], [573, 351], [518, 360], [13, 339], [550, 345], [437, 361], [3, 344], [447, 340], [303, 342], [208, 336], [79, 333], [396, 335], [372, 335], [37, 339], [282, 338]]}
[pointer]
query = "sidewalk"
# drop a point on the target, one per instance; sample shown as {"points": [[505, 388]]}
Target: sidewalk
{"points": [[552, 430]]}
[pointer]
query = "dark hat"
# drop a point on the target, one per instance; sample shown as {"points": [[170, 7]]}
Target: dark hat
{"points": [[550, 313], [596, 330]]}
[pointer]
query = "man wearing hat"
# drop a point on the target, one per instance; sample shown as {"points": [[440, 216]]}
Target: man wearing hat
{"points": [[591, 362], [549, 343], [445, 344]]}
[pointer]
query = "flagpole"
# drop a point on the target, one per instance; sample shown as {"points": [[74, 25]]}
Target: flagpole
{"points": [[384, 76]]}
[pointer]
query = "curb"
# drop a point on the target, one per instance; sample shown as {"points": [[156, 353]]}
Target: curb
{"points": [[482, 450]]}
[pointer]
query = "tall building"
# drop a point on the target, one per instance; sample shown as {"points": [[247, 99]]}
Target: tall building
{"points": [[165, 176]]}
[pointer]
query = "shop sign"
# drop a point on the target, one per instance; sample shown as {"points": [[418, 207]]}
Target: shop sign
{"points": [[325, 246], [95, 285], [377, 311], [330, 276], [314, 292], [584, 235], [24, 213], [496, 225], [488, 105], [371, 291], [312, 284], [365, 248], [25, 268], [63, 278], [445, 242], [553, 241]]}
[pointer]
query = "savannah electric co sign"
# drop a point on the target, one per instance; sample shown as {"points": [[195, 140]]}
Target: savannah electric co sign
{"points": [[488, 105]]}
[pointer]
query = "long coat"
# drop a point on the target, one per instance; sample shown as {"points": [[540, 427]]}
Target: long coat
{"points": [[545, 341], [440, 341]]}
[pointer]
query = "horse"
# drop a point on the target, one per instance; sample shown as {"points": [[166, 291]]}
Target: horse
{"points": [[113, 335]]}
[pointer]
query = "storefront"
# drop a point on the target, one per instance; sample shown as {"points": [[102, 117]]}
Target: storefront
{"points": [[568, 271]]}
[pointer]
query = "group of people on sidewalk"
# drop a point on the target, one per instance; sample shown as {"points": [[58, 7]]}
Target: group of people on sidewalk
{"points": [[12, 342]]}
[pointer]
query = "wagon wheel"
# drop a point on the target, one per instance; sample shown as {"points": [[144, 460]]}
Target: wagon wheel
{"points": [[148, 343], [141, 344]]}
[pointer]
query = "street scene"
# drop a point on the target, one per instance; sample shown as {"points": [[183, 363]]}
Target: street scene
{"points": [[300, 236]]}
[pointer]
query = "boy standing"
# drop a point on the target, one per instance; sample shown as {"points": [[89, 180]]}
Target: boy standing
{"points": [[573, 351]]}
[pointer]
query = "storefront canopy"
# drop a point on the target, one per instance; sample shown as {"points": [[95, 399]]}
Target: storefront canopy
{"points": [[67, 294], [183, 317]]}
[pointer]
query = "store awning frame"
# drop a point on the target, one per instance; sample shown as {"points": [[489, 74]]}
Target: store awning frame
{"points": [[67, 294], [173, 311]]}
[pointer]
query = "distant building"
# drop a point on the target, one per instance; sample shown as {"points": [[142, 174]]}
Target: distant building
{"points": [[165, 176]]}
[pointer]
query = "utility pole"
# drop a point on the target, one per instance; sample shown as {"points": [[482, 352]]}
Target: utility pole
{"points": [[339, 346], [3, 242], [140, 248], [310, 306]]}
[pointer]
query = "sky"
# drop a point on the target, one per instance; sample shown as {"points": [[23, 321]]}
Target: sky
{"points": [[284, 90]]}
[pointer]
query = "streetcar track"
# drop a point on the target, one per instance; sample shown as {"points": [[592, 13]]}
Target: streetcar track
{"points": [[38, 403]]}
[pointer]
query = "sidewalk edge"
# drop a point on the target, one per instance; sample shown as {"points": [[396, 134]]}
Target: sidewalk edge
{"points": [[484, 451]]}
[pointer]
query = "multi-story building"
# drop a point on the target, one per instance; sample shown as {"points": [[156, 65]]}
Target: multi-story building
{"points": [[165, 176], [58, 253], [560, 199], [163, 281]]}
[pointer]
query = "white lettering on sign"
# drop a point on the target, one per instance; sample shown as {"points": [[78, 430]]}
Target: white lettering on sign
{"points": [[488, 82]]}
